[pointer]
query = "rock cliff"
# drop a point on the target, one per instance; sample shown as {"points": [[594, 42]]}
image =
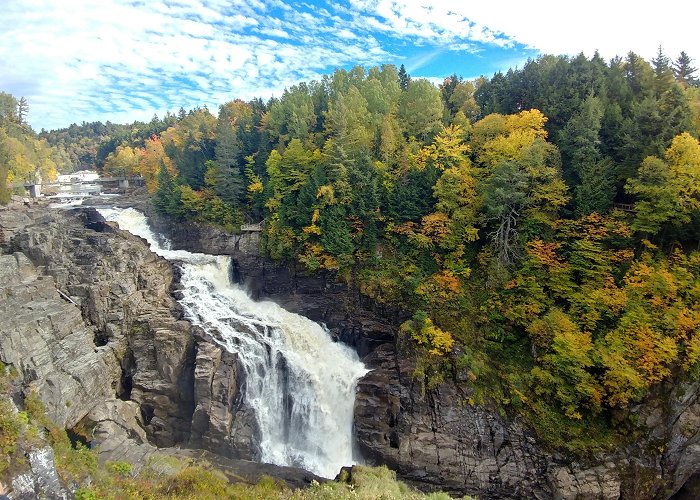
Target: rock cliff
{"points": [[438, 441], [90, 323], [88, 320]]}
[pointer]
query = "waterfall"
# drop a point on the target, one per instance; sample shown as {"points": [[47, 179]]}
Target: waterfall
{"points": [[300, 384]]}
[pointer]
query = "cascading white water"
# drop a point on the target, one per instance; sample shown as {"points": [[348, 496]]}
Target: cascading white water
{"points": [[299, 382]]}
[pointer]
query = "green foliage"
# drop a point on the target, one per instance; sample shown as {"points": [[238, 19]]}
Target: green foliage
{"points": [[669, 189], [165, 199], [123, 469], [498, 234], [422, 330], [420, 110], [24, 157], [224, 174], [366, 483]]}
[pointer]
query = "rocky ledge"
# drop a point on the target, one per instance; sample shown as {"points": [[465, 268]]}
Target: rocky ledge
{"points": [[88, 322]]}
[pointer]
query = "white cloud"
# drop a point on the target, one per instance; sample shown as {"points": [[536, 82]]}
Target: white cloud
{"points": [[110, 59], [550, 26], [71, 60]]}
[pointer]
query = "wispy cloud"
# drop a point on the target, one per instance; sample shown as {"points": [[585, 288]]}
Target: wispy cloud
{"points": [[419, 61], [549, 26], [122, 60], [67, 58]]}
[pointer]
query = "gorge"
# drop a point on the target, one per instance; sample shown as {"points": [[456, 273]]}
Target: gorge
{"points": [[113, 351], [299, 384]]}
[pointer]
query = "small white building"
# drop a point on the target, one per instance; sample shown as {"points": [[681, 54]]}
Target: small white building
{"points": [[76, 177]]}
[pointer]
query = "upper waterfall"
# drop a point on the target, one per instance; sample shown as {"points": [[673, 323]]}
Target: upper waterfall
{"points": [[300, 384]]}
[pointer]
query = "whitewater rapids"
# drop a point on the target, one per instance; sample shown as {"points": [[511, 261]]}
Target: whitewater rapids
{"points": [[300, 384]]}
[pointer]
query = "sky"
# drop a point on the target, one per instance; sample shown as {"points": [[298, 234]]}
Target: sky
{"points": [[124, 60]]}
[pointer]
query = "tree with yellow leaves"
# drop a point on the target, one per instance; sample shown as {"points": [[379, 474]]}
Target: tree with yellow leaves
{"points": [[151, 157], [668, 190]]}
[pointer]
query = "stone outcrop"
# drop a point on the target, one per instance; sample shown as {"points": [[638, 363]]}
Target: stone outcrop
{"points": [[438, 441], [98, 321], [435, 440], [42, 480], [88, 320], [221, 422], [115, 428], [44, 337]]}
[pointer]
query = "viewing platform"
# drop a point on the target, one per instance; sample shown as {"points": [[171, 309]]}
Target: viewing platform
{"points": [[257, 227], [625, 207]]}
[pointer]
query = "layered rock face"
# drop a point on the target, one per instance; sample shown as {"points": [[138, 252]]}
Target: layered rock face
{"points": [[93, 319], [88, 321], [438, 441], [221, 422]]}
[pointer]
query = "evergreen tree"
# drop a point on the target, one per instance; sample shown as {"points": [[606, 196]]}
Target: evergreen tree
{"points": [[22, 111], [663, 72], [597, 189], [300, 213], [683, 71], [404, 78], [165, 199], [639, 75], [591, 177], [336, 238], [447, 90], [229, 182], [579, 139]]}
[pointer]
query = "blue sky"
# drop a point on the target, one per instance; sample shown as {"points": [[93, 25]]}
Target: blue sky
{"points": [[123, 60]]}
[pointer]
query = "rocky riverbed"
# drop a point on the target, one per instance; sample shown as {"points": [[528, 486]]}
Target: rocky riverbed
{"points": [[89, 321]]}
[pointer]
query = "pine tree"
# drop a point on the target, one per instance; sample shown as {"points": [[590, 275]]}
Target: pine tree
{"points": [[683, 71], [597, 189], [404, 78], [22, 110], [229, 182], [335, 231], [663, 72], [164, 198]]}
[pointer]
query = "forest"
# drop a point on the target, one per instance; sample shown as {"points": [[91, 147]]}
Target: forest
{"points": [[539, 229]]}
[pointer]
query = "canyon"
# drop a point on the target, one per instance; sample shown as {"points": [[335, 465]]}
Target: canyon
{"points": [[90, 320]]}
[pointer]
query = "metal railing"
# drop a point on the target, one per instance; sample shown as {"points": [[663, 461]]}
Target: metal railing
{"points": [[253, 227], [625, 207]]}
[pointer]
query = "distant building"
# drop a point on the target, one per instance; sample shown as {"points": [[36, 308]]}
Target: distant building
{"points": [[81, 176]]}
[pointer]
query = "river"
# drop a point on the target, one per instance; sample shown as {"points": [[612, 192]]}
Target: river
{"points": [[299, 382]]}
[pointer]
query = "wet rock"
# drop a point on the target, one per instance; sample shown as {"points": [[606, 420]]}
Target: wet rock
{"points": [[221, 422]]}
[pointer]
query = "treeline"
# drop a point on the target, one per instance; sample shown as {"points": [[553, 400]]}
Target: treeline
{"points": [[24, 157], [540, 226], [87, 145]]}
